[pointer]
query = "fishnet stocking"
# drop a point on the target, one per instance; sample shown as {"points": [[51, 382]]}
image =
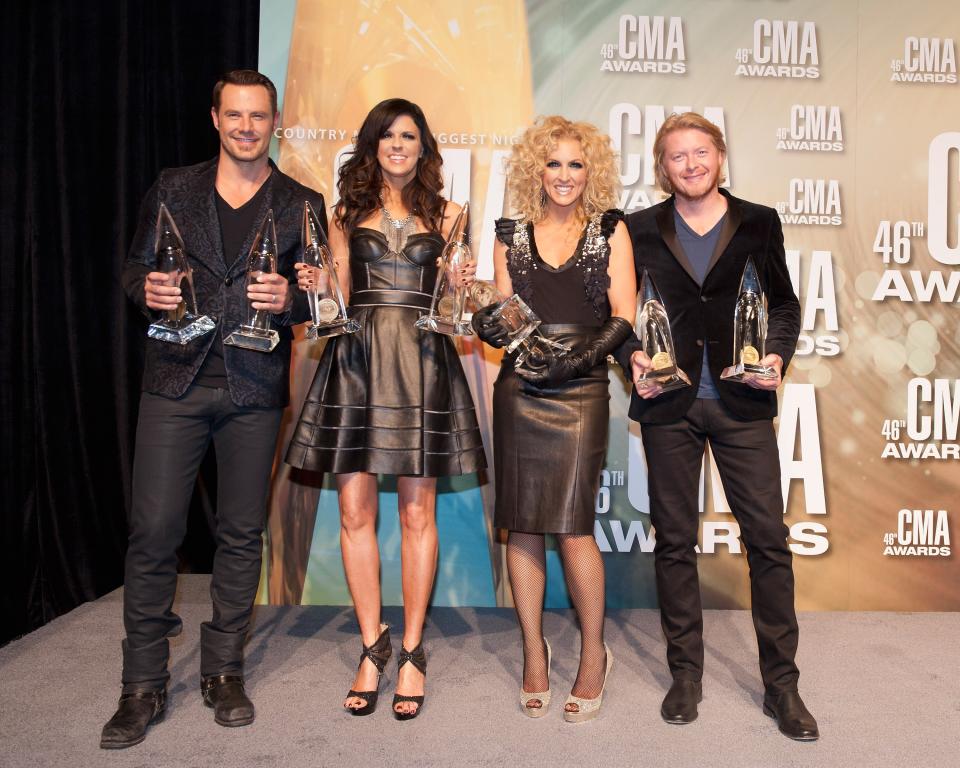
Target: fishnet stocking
{"points": [[583, 570], [527, 566]]}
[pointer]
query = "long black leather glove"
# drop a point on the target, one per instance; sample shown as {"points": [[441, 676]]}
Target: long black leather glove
{"points": [[560, 369], [488, 328]]}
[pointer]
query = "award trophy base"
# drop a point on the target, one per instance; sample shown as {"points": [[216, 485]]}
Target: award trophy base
{"points": [[744, 372], [667, 379], [533, 352], [334, 329], [185, 330], [250, 337], [449, 326]]}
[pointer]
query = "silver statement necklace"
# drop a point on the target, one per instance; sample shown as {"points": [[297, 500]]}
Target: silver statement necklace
{"points": [[396, 230]]}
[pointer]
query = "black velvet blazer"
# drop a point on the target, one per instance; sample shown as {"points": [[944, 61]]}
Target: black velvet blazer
{"points": [[255, 378], [704, 314]]}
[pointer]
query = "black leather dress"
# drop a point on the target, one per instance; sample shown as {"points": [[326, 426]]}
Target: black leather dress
{"points": [[389, 398], [550, 442]]}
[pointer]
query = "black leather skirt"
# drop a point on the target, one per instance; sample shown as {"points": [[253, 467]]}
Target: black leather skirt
{"points": [[550, 444], [388, 399]]}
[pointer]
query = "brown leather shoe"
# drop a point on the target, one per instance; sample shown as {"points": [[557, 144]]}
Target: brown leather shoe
{"points": [[135, 713], [225, 693], [680, 704], [793, 718]]}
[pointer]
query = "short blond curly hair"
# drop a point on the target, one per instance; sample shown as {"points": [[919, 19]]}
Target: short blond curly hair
{"points": [[528, 161]]}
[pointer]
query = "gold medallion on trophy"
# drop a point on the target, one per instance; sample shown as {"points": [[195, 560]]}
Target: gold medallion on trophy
{"points": [[445, 306], [749, 355], [327, 310], [661, 360], [484, 293]]}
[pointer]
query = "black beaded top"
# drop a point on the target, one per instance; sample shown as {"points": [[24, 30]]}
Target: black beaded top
{"points": [[576, 292]]}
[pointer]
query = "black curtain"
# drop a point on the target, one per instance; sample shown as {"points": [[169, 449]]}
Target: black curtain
{"points": [[98, 97]]}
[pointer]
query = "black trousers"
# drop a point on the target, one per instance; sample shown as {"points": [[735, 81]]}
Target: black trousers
{"points": [[749, 465], [172, 438]]}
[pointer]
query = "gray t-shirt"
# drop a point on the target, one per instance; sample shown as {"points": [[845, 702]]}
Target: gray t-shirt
{"points": [[699, 249]]}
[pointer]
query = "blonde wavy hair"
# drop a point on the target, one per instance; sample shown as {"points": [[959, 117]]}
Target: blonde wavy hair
{"points": [[528, 161]]}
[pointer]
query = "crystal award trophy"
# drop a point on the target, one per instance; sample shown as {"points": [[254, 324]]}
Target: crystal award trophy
{"points": [[256, 333], [531, 349], [180, 325], [328, 313], [653, 330], [749, 331], [449, 294]]}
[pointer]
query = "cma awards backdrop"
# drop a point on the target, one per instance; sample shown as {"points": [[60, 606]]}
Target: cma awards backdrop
{"points": [[843, 115]]}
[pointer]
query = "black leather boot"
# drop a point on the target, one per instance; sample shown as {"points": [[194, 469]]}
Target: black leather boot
{"points": [[793, 718], [225, 693], [135, 713]]}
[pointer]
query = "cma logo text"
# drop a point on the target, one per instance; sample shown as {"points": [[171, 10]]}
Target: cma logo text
{"points": [[782, 49], [920, 533], [650, 44], [926, 60]]}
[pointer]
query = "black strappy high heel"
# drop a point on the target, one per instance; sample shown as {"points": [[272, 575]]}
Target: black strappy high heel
{"points": [[419, 660], [379, 653]]}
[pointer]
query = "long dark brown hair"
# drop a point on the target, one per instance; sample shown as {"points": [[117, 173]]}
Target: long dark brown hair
{"points": [[361, 180]]}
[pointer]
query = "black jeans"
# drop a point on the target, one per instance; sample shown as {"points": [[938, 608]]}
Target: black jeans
{"points": [[749, 465], [172, 438]]}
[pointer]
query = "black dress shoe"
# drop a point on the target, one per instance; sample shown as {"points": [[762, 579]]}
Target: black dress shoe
{"points": [[135, 713], [793, 718], [231, 706], [680, 704], [176, 625]]}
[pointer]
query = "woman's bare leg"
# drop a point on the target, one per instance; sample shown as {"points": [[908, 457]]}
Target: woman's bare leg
{"points": [[418, 552], [361, 565]]}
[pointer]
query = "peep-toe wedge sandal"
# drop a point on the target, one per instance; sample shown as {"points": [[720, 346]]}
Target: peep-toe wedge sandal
{"points": [[588, 709], [543, 696]]}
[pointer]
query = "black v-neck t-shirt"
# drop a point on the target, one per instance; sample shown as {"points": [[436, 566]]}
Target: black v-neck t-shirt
{"points": [[235, 225]]}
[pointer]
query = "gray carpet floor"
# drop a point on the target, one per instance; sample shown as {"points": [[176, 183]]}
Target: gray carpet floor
{"points": [[885, 688]]}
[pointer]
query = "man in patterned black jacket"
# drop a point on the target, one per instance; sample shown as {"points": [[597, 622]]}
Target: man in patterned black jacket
{"points": [[205, 391], [695, 245]]}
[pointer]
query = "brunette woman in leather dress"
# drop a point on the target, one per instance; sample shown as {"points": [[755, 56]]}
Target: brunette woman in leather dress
{"points": [[389, 399], [569, 258]]}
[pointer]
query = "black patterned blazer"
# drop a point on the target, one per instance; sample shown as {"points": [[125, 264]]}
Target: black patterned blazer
{"points": [[703, 314], [255, 378]]}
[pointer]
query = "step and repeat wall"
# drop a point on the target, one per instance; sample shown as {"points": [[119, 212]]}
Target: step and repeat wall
{"points": [[842, 115]]}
